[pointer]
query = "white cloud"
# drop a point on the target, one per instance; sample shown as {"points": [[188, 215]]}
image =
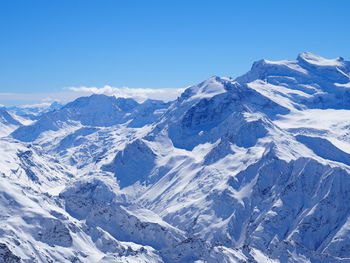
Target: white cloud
{"points": [[166, 94], [37, 105], [39, 97], [71, 93]]}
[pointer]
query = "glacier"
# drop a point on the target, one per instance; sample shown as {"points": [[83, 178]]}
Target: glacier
{"points": [[252, 169]]}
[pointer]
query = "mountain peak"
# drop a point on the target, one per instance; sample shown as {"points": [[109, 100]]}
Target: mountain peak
{"points": [[206, 89], [7, 122], [55, 105], [92, 100], [310, 58], [307, 68], [6, 118]]}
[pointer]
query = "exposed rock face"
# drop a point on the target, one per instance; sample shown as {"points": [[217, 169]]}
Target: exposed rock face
{"points": [[6, 256]]}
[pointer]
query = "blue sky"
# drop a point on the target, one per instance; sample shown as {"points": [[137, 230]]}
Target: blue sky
{"points": [[47, 46]]}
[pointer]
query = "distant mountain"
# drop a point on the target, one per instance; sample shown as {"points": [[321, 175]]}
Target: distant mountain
{"points": [[252, 169], [96, 110], [34, 111], [7, 122]]}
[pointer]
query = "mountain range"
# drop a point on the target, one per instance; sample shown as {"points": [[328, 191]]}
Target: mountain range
{"points": [[252, 169]]}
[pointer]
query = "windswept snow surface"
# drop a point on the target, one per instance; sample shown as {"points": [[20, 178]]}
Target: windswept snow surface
{"points": [[255, 169]]}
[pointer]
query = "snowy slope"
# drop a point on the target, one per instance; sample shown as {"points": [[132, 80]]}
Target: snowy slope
{"points": [[255, 169], [8, 123]]}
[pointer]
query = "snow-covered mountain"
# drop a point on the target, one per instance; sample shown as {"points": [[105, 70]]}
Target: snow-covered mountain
{"points": [[33, 112], [93, 111], [8, 123], [255, 169]]}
